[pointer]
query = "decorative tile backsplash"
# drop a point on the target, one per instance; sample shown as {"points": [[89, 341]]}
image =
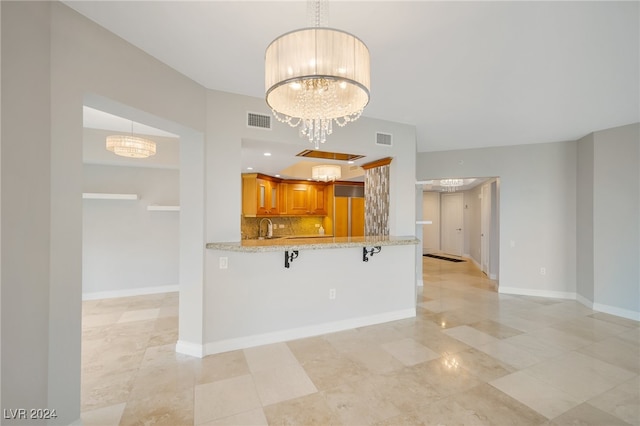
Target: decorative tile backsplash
{"points": [[376, 201], [292, 226]]}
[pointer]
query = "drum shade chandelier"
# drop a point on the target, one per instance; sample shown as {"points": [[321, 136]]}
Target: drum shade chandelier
{"points": [[326, 172], [315, 76], [131, 146]]}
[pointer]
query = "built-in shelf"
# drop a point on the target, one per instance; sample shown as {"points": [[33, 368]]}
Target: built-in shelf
{"points": [[163, 208], [108, 196]]}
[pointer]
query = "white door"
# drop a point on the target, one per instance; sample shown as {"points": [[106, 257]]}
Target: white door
{"points": [[451, 221], [485, 226]]}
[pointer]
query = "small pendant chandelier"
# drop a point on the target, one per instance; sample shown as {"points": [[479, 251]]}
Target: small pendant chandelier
{"points": [[451, 185], [326, 173], [131, 146], [315, 76]]}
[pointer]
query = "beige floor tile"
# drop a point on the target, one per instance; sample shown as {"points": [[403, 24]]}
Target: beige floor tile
{"points": [[282, 383], [514, 356], [445, 375], [312, 348], [269, 356], [254, 417], [616, 320], [538, 348], [221, 366], [592, 329], [579, 375], [139, 315], [225, 398], [409, 352], [443, 411], [623, 401], [374, 358], [353, 407], [536, 394], [330, 371], [560, 339], [632, 336], [470, 336], [587, 415], [615, 351], [495, 329], [494, 407], [106, 416], [171, 408], [307, 410], [482, 366]]}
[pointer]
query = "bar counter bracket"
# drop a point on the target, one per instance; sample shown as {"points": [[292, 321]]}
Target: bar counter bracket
{"points": [[288, 258], [366, 253]]}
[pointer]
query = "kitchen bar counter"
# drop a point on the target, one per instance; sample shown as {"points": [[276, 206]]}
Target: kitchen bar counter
{"points": [[310, 243]]}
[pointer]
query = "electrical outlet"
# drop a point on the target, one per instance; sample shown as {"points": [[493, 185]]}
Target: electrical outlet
{"points": [[332, 294], [543, 271], [224, 262]]}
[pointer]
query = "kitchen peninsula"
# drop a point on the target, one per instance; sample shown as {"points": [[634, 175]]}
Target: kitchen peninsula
{"points": [[279, 289]]}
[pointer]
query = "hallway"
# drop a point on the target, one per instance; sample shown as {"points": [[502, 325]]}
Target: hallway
{"points": [[471, 356]]}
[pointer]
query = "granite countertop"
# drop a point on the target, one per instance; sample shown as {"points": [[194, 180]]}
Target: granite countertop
{"points": [[310, 243]]}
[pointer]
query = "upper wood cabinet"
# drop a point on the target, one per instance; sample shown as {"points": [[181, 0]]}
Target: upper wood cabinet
{"points": [[261, 195], [264, 195]]}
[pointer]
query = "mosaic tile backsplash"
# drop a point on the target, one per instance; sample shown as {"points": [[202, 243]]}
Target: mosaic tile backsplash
{"points": [[291, 226], [376, 201]]}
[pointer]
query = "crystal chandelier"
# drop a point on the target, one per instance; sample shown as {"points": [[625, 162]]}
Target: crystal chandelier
{"points": [[450, 185], [326, 172], [315, 76], [131, 146]]}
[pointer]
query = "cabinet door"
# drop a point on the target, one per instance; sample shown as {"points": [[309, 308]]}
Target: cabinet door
{"points": [[262, 193], [298, 199], [274, 198], [318, 195]]}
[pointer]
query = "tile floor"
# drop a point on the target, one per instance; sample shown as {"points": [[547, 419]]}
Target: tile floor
{"points": [[471, 356]]}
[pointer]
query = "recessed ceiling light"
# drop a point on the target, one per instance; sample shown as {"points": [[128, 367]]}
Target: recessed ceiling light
{"points": [[249, 168], [277, 175], [350, 161], [267, 154]]}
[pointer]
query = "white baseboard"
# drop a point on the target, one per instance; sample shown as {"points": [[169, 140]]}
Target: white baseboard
{"points": [[619, 312], [302, 332], [607, 309], [539, 293], [192, 349], [129, 292]]}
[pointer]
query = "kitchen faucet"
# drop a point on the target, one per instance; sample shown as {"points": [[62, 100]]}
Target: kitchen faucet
{"points": [[269, 232]]}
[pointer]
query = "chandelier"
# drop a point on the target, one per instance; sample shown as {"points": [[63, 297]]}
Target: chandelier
{"points": [[131, 146], [315, 76], [450, 185], [326, 172]]}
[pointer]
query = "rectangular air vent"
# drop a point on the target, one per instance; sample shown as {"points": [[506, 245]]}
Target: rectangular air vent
{"points": [[384, 139], [260, 121]]}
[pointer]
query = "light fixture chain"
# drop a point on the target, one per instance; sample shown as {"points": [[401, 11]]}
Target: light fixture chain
{"points": [[318, 13]]}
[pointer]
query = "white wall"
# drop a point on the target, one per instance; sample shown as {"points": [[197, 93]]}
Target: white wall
{"points": [[25, 209], [584, 219], [53, 59], [536, 208], [472, 229], [616, 220], [128, 249]]}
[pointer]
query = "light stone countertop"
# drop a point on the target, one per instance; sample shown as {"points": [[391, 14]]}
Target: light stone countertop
{"points": [[311, 243]]}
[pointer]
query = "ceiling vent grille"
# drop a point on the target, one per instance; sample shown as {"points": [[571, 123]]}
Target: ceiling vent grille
{"points": [[384, 139], [259, 121]]}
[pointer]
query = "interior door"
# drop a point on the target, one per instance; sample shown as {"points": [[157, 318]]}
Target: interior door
{"points": [[451, 223], [485, 226]]}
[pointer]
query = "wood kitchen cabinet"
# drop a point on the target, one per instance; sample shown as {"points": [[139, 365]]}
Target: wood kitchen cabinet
{"points": [[306, 199], [261, 195]]}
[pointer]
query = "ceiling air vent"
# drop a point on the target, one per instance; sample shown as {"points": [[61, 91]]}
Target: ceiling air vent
{"points": [[260, 121], [384, 139]]}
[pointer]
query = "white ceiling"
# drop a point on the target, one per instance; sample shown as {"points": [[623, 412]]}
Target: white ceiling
{"points": [[466, 74]]}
